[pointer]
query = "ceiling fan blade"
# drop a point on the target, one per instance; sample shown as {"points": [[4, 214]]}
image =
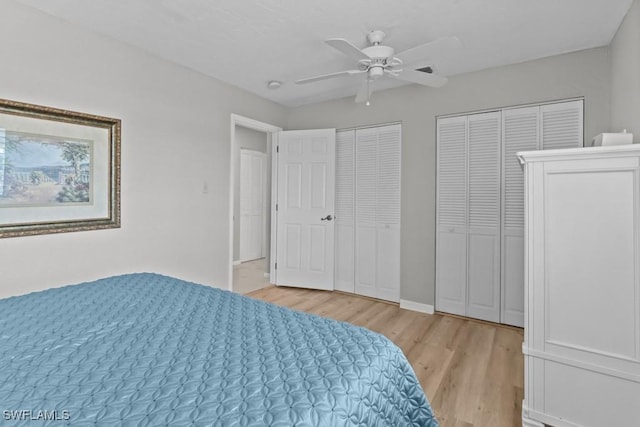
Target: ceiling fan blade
{"points": [[419, 77], [429, 50], [364, 93], [329, 76], [347, 48]]}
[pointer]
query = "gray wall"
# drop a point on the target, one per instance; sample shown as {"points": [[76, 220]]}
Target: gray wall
{"points": [[175, 138], [256, 141], [625, 74], [583, 73]]}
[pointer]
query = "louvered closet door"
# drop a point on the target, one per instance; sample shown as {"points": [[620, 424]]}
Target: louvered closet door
{"points": [[451, 216], [483, 262], [562, 125], [520, 133], [377, 202], [344, 222], [388, 213]]}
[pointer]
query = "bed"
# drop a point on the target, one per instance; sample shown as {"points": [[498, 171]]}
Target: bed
{"points": [[151, 350]]}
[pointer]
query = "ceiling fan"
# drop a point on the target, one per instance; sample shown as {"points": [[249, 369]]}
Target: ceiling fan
{"points": [[377, 61]]}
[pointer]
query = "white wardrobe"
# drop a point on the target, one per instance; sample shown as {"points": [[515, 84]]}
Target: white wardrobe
{"points": [[367, 212], [582, 330], [480, 204]]}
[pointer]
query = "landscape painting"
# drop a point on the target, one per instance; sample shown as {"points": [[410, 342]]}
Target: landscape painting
{"points": [[42, 170], [59, 170]]}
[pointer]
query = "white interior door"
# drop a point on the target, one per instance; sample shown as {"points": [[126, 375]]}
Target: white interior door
{"points": [[252, 204], [305, 208]]}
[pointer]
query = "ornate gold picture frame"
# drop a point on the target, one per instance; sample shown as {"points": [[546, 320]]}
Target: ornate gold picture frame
{"points": [[59, 170]]}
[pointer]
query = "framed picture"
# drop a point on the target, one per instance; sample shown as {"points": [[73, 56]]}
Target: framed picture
{"points": [[59, 170]]}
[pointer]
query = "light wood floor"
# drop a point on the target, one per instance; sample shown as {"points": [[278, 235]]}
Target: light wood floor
{"points": [[472, 372], [249, 276]]}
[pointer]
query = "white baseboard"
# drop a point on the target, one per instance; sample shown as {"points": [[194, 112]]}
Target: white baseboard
{"points": [[237, 262], [416, 306]]}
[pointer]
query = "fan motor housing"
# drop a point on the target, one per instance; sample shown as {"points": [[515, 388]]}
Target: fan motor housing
{"points": [[379, 51]]}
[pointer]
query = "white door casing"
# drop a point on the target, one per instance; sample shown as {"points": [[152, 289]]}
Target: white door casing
{"points": [[305, 208], [272, 131], [252, 204]]}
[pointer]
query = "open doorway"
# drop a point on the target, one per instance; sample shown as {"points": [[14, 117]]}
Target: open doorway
{"points": [[251, 204]]}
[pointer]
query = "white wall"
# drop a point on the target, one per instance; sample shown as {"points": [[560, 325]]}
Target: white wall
{"points": [[175, 137], [583, 73], [625, 74]]}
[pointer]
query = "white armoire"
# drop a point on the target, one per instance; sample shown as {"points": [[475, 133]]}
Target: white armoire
{"points": [[582, 287], [367, 211], [480, 204]]}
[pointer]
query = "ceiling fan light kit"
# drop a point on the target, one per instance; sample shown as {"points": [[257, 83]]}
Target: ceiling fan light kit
{"points": [[378, 61]]}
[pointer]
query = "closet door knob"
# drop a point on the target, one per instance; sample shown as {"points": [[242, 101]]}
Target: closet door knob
{"points": [[327, 218]]}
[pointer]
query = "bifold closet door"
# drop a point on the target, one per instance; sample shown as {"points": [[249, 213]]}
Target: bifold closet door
{"points": [[483, 250], [345, 211], [451, 216], [562, 125], [520, 128], [544, 127], [377, 212], [468, 216]]}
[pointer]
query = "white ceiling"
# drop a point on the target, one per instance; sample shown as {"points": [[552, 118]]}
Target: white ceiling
{"points": [[247, 43]]}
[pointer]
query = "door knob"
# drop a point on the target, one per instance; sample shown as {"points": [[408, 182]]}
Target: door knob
{"points": [[327, 218]]}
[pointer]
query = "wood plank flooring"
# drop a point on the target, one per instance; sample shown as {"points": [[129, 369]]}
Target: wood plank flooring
{"points": [[472, 372]]}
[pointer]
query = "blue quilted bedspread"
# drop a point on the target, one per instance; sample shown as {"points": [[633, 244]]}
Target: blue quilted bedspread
{"points": [[150, 350]]}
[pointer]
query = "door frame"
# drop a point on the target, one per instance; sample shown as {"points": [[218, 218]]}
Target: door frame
{"points": [[238, 120]]}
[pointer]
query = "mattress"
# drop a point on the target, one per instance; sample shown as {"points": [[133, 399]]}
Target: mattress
{"points": [[150, 350]]}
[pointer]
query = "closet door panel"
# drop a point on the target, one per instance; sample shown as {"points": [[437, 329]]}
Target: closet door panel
{"points": [[344, 211], [388, 213], [451, 271], [377, 212], [483, 266], [512, 278], [366, 260], [388, 263], [451, 216], [484, 277], [520, 129], [561, 125], [366, 162]]}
